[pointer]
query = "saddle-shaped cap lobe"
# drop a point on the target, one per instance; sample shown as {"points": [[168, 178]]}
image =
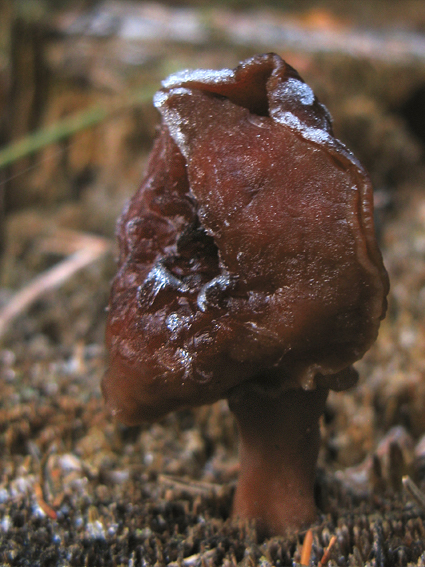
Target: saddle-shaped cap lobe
{"points": [[248, 251]]}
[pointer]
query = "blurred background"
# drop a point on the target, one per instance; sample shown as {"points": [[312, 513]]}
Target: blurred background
{"points": [[76, 127], [80, 75]]}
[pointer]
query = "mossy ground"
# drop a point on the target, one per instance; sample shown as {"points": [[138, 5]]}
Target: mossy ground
{"points": [[77, 488]]}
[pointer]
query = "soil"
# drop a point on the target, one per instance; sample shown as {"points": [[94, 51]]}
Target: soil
{"points": [[78, 488]]}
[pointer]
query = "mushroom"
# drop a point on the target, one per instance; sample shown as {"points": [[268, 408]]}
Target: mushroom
{"points": [[248, 270]]}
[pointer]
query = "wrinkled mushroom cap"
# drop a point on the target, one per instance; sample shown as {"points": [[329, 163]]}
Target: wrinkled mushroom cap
{"points": [[249, 251]]}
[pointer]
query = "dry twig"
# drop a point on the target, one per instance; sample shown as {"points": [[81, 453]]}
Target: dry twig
{"points": [[414, 491], [47, 509], [306, 551], [90, 249], [193, 559], [327, 553], [191, 487]]}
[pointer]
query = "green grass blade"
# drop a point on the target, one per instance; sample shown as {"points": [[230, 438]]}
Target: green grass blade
{"points": [[68, 126]]}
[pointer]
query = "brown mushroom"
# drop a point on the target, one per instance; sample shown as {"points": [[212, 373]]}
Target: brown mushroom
{"points": [[248, 270]]}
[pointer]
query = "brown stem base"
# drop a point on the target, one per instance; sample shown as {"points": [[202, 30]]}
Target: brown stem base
{"points": [[279, 445]]}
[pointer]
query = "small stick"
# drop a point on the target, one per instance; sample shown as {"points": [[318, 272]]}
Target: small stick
{"points": [[414, 491], [327, 552], [306, 551], [193, 560], [192, 487], [94, 247], [48, 510]]}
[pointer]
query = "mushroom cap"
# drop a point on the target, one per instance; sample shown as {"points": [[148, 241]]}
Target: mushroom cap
{"points": [[247, 254]]}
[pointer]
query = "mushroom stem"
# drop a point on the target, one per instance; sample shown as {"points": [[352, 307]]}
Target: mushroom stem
{"points": [[279, 445]]}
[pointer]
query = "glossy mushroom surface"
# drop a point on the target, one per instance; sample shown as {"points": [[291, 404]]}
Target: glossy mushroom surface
{"points": [[248, 259]]}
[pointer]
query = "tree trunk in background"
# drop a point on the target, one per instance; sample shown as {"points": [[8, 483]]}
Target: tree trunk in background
{"points": [[25, 101], [6, 11]]}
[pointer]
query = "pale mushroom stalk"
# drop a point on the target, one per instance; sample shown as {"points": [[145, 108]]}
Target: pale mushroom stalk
{"points": [[279, 444]]}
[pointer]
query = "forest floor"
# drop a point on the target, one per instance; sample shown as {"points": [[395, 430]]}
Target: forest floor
{"points": [[78, 488]]}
